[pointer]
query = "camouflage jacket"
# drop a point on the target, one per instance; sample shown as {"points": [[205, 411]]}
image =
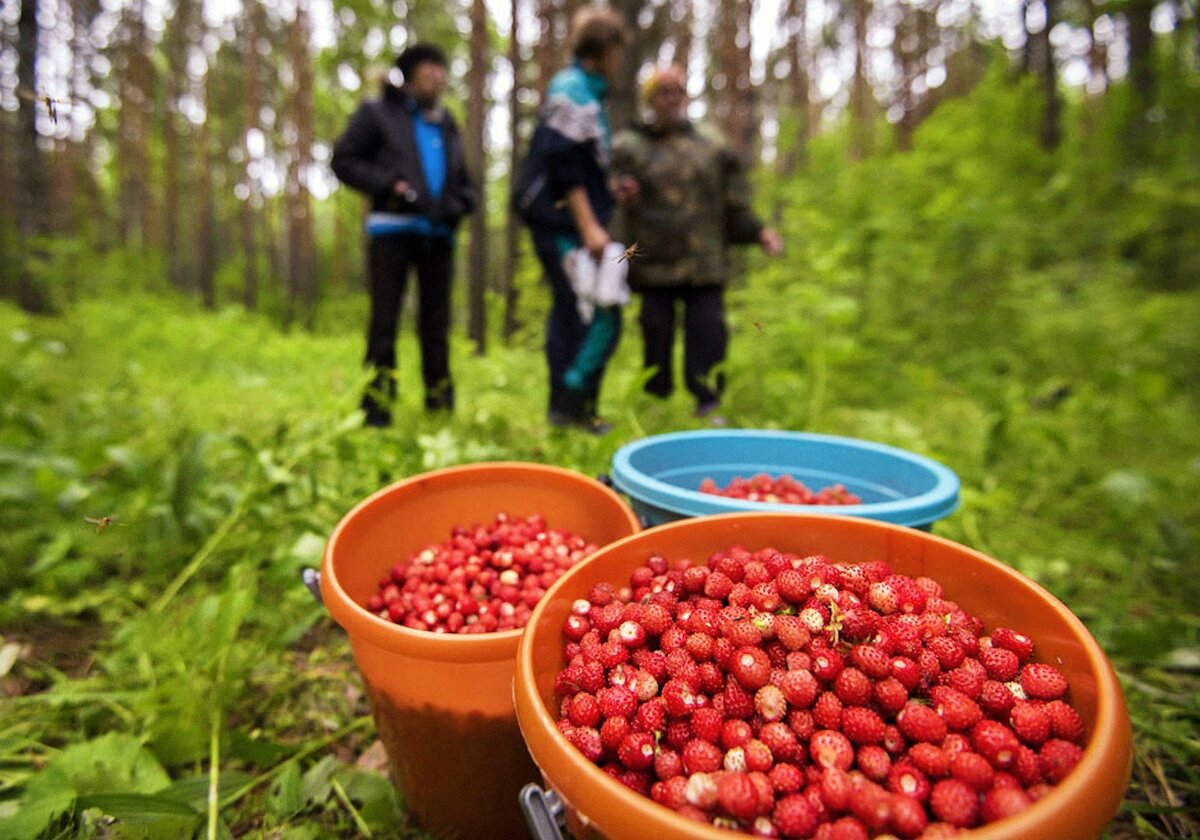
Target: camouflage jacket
{"points": [[694, 202]]}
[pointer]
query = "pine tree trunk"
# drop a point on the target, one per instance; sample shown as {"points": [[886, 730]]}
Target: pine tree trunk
{"points": [[176, 48], [30, 199], [623, 99], [206, 241], [1050, 133], [512, 226], [302, 264], [861, 98], [477, 161], [250, 201], [795, 23], [684, 17]]}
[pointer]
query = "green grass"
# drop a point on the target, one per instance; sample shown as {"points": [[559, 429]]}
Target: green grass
{"points": [[178, 648]]}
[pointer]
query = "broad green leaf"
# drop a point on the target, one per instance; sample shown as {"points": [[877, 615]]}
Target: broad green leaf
{"points": [[111, 763], [144, 816], [193, 791], [315, 787], [285, 797]]}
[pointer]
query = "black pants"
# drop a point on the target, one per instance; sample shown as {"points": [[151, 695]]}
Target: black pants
{"points": [[705, 339], [565, 333], [390, 258]]}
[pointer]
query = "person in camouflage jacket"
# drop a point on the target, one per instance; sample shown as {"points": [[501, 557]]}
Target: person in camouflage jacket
{"points": [[684, 200]]}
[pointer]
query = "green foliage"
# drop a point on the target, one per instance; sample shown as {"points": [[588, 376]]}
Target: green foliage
{"points": [[975, 299]]}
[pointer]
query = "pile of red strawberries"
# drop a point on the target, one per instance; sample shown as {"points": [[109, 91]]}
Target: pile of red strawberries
{"points": [[481, 579], [783, 490], [790, 697]]}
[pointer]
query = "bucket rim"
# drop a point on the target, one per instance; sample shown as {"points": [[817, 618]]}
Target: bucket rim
{"points": [[939, 501], [361, 624]]}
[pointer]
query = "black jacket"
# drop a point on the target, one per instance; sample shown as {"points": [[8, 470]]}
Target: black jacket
{"points": [[379, 148]]}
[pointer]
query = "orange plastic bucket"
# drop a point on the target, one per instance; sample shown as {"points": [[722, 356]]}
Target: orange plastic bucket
{"points": [[443, 703], [598, 805]]}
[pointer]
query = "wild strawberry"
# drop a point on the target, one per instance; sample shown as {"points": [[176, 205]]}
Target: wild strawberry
{"points": [[584, 710], [872, 805], [930, 760], [794, 816], [1001, 802], [801, 722], [616, 701], [655, 619], [677, 734], [575, 627], [743, 633], [883, 598], [636, 750], [827, 711], [1027, 767], [893, 740], [613, 731], [890, 695], [954, 802], [965, 679], [958, 710], [1001, 664], [1044, 682], [790, 632], [1058, 758], [699, 646], [1065, 722], [907, 671], [949, 652], [906, 780], [1018, 643], [871, 660], [706, 724], [701, 756], [972, 768], [631, 634], [758, 756], [786, 778], [750, 667], [770, 703], [800, 688], [667, 763], [830, 748], [853, 687], [736, 796], [834, 786], [995, 742], [780, 739], [873, 761], [587, 741], [701, 790], [672, 794], [738, 702], [679, 698], [907, 818], [735, 733], [995, 699], [827, 664], [1030, 721], [862, 725], [651, 716], [921, 723], [813, 619], [846, 828]]}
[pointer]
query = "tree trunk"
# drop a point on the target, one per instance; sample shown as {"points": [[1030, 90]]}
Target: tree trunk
{"points": [[1141, 53], [548, 50], [795, 24], [623, 99], [206, 241], [512, 226], [1097, 52], [136, 82], [176, 47], [1050, 133], [251, 198], [861, 98], [477, 161], [684, 17], [302, 267], [30, 199]]}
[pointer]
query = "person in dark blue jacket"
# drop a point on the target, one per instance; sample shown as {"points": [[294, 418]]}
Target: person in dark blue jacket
{"points": [[572, 145], [404, 152]]}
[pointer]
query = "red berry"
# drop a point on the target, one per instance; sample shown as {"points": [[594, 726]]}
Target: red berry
{"points": [[1001, 802], [1018, 643], [862, 725], [958, 710], [1058, 758], [974, 769], [1031, 722], [995, 742], [830, 748], [908, 781], [873, 761], [636, 750], [954, 802], [701, 756], [794, 816], [1065, 722], [1044, 682], [750, 667], [737, 796], [908, 817], [921, 723], [1001, 664]]}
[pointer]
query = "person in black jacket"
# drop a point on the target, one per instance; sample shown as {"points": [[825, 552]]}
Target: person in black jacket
{"points": [[404, 151]]}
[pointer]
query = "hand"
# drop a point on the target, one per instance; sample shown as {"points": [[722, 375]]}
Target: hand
{"points": [[770, 241], [625, 189], [596, 239], [404, 189]]}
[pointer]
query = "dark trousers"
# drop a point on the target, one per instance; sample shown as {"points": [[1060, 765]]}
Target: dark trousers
{"points": [[389, 261], [565, 334], [705, 339]]}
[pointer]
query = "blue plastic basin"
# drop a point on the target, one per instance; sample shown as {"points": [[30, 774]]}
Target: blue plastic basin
{"points": [[662, 475]]}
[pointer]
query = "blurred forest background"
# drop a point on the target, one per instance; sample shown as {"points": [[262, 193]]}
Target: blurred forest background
{"points": [[185, 144], [991, 211]]}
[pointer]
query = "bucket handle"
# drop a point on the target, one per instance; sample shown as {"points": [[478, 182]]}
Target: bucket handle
{"points": [[312, 582], [544, 812]]}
